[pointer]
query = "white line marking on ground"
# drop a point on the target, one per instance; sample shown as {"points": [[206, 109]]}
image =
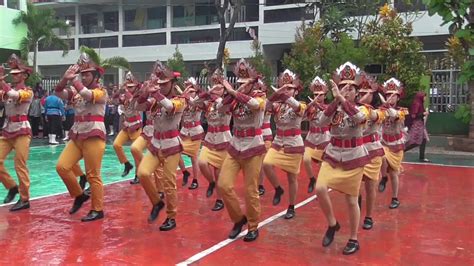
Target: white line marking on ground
{"points": [[65, 192], [439, 164], [226, 242]]}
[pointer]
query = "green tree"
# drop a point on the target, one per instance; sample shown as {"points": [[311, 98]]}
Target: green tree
{"points": [[388, 40], [305, 56], [40, 24], [337, 53], [176, 63], [258, 61]]}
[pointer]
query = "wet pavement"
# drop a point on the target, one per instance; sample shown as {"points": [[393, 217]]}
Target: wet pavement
{"points": [[432, 226]]}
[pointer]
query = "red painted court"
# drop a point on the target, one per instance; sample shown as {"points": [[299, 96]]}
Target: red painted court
{"points": [[433, 226]]}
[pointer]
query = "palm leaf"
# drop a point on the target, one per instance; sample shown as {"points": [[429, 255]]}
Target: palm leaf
{"points": [[91, 53], [116, 62], [25, 48]]}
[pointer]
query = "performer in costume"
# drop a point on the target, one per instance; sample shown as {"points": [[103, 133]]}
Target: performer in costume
{"points": [[132, 121], [16, 133], [318, 136], [345, 155], [165, 147], [191, 132], [288, 146], [87, 135], [246, 150], [368, 97], [392, 137], [217, 138], [267, 135], [140, 144]]}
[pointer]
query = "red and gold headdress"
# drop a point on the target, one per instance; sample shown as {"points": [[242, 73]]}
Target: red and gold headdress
{"points": [[192, 84], [245, 72], [368, 84], [290, 78], [318, 86], [393, 86], [217, 77], [347, 73], [163, 73], [86, 64], [17, 66], [130, 80]]}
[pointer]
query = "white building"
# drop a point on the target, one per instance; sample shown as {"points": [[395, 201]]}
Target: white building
{"points": [[145, 30]]}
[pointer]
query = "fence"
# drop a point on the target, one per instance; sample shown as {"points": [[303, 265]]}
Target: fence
{"points": [[446, 94]]}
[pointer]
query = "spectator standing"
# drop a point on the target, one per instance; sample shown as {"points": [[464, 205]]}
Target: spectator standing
{"points": [[69, 121], [54, 109], [35, 115], [418, 135]]}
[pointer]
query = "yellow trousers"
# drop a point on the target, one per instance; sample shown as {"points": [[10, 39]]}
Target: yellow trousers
{"points": [[76, 169], [137, 149], [168, 165], [122, 138], [229, 170], [92, 150], [21, 145]]}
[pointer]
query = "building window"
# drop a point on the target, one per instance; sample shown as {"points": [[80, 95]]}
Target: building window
{"points": [[290, 14], [203, 12], [110, 21], [2, 2], [416, 5], [103, 42], [145, 18], [55, 47], [198, 36], [250, 10], [283, 2], [13, 4], [89, 23], [144, 40]]}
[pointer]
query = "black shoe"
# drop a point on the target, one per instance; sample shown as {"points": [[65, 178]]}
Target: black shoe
{"points": [[127, 167], [168, 225], [82, 181], [11, 195], [261, 190], [359, 201], [210, 189], [135, 181], [382, 184], [329, 235], [162, 195], [155, 211], [20, 205], [251, 236], [351, 247], [78, 201], [277, 197], [368, 223], [186, 175], [92, 216], [394, 204], [290, 213], [219, 205], [312, 183], [194, 184], [237, 228]]}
